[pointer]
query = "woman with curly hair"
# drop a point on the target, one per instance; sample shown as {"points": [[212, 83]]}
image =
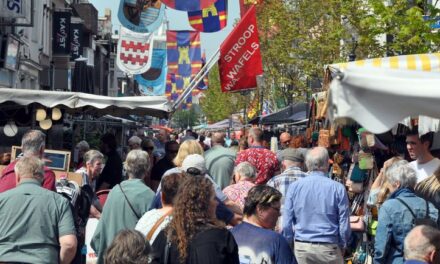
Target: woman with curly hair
{"points": [[194, 235]]}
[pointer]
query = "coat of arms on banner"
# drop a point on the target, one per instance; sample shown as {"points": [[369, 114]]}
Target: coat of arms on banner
{"points": [[143, 16], [135, 51], [152, 82], [211, 19], [189, 5]]}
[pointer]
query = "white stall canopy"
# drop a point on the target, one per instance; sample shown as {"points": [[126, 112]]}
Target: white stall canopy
{"points": [[83, 103], [380, 93]]}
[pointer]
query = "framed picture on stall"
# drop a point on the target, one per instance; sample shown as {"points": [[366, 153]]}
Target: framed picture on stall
{"points": [[54, 159]]}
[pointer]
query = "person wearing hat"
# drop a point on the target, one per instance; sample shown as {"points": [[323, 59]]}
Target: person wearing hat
{"points": [[292, 162]]}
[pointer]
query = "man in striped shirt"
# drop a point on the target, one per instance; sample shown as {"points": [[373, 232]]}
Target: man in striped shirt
{"points": [[292, 163]]}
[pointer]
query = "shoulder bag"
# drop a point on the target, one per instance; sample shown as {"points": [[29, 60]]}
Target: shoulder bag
{"points": [[156, 225], [128, 201]]}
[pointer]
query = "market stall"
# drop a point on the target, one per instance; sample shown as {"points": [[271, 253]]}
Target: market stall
{"points": [[97, 105], [380, 93]]}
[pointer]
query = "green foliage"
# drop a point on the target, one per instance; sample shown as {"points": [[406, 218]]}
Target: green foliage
{"points": [[186, 118], [217, 105], [299, 37], [404, 23]]}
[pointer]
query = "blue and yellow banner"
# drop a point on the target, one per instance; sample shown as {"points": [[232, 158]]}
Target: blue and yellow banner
{"points": [[188, 5], [211, 19]]}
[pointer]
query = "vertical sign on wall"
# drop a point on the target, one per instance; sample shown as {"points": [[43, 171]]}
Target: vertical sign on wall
{"points": [[76, 31], [61, 32]]}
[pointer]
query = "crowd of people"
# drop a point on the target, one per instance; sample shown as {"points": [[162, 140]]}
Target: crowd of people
{"points": [[210, 198]]}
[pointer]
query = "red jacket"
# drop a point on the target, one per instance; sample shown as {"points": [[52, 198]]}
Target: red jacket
{"points": [[8, 178]]}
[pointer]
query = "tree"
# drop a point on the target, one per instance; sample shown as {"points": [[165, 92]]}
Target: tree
{"points": [[217, 105], [298, 38], [403, 23], [186, 118]]}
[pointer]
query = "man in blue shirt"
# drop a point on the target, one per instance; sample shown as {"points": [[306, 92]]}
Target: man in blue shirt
{"points": [[317, 208]]}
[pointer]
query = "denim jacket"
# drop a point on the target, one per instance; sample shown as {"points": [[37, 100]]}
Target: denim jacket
{"points": [[395, 222]]}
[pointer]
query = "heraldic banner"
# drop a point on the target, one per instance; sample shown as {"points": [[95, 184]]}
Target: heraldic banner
{"points": [[135, 51], [240, 57], [152, 82], [184, 62], [211, 19], [188, 5], [184, 53], [142, 16]]}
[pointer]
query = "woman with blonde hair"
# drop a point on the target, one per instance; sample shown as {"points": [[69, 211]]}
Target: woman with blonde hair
{"points": [[194, 235], [380, 190], [429, 188], [188, 147]]}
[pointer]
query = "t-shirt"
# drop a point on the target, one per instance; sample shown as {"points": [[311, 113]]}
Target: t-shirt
{"points": [[147, 222], [112, 172], [220, 164], [425, 170], [32, 220], [259, 245], [160, 168]]}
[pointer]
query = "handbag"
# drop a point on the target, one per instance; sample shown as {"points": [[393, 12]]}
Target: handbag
{"points": [[156, 225], [372, 227], [354, 187], [357, 174], [371, 139], [357, 223], [366, 161], [324, 138], [322, 104]]}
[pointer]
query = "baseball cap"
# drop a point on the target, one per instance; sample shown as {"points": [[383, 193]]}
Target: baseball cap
{"points": [[194, 161], [293, 154]]}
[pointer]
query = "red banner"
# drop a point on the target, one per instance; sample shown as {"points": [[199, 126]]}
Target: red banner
{"points": [[240, 57]]}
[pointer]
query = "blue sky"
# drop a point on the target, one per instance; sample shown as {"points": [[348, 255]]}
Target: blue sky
{"points": [[178, 20]]}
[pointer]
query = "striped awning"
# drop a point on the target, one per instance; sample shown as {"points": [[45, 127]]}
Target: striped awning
{"points": [[417, 62]]}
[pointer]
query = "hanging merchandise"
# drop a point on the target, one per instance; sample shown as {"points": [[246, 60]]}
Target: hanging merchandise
{"points": [[211, 19], [324, 138], [189, 5], [321, 105], [357, 174], [366, 161], [134, 51], [141, 16]]}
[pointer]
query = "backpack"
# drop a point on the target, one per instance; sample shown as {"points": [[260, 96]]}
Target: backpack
{"points": [[426, 220], [79, 199]]}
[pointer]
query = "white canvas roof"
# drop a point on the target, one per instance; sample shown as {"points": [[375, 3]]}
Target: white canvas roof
{"points": [[380, 93], [89, 103]]}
